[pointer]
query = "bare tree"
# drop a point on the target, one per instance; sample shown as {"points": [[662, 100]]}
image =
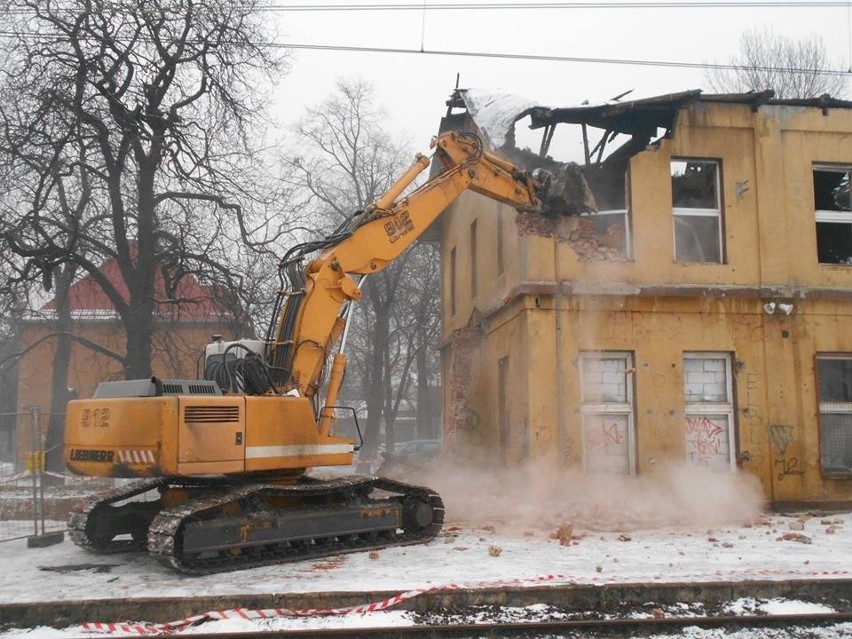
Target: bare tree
{"points": [[128, 125], [348, 162], [789, 67], [11, 309]]}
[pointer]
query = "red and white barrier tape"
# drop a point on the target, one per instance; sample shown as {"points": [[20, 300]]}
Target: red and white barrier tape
{"points": [[271, 613], [376, 606]]}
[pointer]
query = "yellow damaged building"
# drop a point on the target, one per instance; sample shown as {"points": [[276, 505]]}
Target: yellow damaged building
{"points": [[702, 316]]}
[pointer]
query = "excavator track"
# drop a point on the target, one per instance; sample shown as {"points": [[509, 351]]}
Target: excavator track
{"points": [[236, 525], [94, 522]]}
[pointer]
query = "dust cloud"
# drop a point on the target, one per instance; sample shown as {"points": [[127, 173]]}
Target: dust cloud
{"points": [[540, 496]]}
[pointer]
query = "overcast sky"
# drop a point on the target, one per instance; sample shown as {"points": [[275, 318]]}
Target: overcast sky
{"points": [[413, 87]]}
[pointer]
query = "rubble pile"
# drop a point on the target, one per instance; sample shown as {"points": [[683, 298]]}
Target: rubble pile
{"points": [[581, 233]]}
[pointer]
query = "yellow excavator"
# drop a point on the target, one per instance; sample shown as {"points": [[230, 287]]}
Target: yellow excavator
{"points": [[221, 462]]}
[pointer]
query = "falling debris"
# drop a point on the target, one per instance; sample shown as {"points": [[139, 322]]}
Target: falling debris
{"points": [[564, 191], [568, 208], [562, 185], [581, 233], [564, 534]]}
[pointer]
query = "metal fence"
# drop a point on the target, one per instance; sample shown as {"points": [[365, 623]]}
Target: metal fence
{"points": [[34, 503]]}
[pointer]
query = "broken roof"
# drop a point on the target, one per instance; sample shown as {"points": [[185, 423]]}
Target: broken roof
{"points": [[496, 113]]}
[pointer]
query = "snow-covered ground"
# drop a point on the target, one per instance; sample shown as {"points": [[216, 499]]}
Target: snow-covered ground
{"points": [[578, 542], [771, 547]]}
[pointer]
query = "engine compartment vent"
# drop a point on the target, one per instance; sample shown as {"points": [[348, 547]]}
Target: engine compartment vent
{"points": [[211, 414], [190, 387]]}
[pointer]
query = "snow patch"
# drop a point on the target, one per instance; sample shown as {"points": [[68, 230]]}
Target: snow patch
{"points": [[495, 113]]}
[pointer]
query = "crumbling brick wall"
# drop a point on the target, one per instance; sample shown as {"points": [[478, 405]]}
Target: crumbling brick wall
{"points": [[464, 344]]}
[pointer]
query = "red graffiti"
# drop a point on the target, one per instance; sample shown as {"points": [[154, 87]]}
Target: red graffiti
{"points": [[703, 427], [704, 436], [608, 434]]}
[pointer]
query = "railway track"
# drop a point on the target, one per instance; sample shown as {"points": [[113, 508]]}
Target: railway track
{"points": [[577, 628]]}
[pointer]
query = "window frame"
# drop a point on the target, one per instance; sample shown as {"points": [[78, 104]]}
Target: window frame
{"points": [[627, 408], [830, 408], [726, 409], [716, 213], [829, 216], [625, 251]]}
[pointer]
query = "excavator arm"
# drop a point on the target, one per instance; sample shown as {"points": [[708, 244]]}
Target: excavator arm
{"points": [[383, 232]]}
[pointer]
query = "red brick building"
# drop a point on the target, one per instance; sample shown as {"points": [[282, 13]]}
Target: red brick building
{"points": [[183, 328]]}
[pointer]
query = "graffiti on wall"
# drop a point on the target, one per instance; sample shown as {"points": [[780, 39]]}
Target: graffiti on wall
{"points": [[751, 408], [781, 435], [708, 442], [705, 437], [605, 435], [789, 468]]}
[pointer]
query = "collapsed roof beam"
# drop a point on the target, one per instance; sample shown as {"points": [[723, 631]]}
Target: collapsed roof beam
{"points": [[546, 139]]}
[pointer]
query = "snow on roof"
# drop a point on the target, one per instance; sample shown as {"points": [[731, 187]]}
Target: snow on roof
{"points": [[495, 113]]}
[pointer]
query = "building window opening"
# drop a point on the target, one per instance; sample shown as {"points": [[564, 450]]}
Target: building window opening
{"points": [[697, 211], [606, 388], [611, 222], [707, 389], [834, 378], [833, 209]]}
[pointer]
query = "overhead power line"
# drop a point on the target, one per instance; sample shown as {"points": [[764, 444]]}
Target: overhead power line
{"points": [[529, 6], [556, 58], [493, 55], [591, 4]]}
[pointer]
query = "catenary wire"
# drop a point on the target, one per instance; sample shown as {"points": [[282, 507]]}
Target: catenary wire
{"points": [[502, 55], [534, 6], [527, 6], [557, 58]]}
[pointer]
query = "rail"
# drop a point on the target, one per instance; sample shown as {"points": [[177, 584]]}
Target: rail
{"points": [[600, 627]]}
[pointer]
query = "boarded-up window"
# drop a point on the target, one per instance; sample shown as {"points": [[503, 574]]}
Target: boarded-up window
{"points": [[710, 441], [696, 211], [834, 375], [606, 387], [833, 211]]}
